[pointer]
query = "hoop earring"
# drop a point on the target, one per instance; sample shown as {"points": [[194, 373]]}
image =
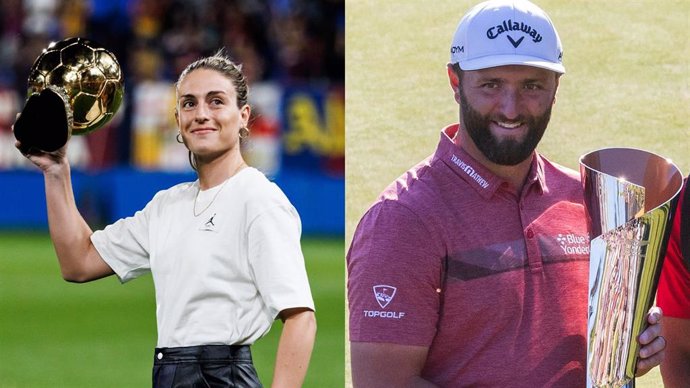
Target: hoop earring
{"points": [[191, 160], [178, 137], [244, 133]]}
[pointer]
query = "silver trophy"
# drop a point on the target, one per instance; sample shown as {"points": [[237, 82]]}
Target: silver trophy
{"points": [[629, 203]]}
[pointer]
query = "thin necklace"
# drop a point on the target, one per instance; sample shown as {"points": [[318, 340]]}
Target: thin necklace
{"points": [[217, 192]]}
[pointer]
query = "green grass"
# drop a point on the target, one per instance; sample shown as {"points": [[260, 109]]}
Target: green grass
{"points": [[102, 334], [325, 265], [627, 84]]}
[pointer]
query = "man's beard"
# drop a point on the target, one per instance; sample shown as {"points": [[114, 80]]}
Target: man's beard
{"points": [[506, 152]]}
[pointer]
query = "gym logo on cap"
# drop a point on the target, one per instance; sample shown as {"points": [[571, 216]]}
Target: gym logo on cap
{"points": [[509, 25], [384, 294]]}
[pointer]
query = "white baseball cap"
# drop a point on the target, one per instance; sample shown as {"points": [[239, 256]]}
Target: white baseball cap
{"points": [[506, 32]]}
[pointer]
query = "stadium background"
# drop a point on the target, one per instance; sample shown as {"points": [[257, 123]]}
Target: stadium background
{"points": [[63, 335]]}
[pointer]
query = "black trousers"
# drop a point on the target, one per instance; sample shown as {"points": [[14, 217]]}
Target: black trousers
{"points": [[208, 366]]}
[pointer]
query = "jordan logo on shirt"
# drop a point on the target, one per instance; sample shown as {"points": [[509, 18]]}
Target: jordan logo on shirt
{"points": [[210, 224]]}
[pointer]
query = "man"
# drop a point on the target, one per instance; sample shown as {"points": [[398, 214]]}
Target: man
{"points": [[459, 274], [674, 297]]}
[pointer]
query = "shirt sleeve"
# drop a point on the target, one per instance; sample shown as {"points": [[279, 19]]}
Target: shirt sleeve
{"points": [[394, 278], [276, 260], [673, 295], [124, 245]]}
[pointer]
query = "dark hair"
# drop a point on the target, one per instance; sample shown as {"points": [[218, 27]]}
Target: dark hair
{"points": [[221, 63]]}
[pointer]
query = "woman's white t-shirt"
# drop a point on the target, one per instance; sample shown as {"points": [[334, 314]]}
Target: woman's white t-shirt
{"points": [[221, 277]]}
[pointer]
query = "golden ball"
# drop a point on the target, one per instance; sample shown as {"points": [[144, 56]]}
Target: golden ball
{"points": [[88, 74]]}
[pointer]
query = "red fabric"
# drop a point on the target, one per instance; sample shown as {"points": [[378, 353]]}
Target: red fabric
{"points": [[494, 282], [673, 295]]}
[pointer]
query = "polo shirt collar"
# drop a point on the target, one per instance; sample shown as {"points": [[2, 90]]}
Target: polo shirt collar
{"points": [[474, 173], [536, 174]]}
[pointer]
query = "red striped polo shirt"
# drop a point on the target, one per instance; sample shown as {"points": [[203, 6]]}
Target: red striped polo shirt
{"points": [[492, 281], [674, 285]]}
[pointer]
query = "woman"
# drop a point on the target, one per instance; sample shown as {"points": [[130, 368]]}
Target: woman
{"points": [[224, 251]]}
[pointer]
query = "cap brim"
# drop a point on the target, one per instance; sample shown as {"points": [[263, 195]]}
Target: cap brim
{"points": [[505, 60]]}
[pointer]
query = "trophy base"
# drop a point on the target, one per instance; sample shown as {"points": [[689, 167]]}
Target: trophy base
{"points": [[44, 123]]}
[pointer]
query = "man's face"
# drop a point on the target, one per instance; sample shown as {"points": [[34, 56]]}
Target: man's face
{"points": [[505, 110]]}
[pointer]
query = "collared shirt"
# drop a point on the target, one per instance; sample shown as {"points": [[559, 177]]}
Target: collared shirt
{"points": [[674, 284], [493, 282]]}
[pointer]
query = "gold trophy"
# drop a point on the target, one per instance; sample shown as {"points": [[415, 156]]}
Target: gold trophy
{"points": [[75, 87], [629, 201]]}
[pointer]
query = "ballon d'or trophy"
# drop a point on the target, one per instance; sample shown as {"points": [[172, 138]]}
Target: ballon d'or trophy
{"points": [[629, 200], [75, 87]]}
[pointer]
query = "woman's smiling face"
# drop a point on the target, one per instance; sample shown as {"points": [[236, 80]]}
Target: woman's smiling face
{"points": [[207, 113]]}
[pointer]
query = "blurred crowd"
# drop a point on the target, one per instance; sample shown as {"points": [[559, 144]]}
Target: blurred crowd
{"points": [[281, 43]]}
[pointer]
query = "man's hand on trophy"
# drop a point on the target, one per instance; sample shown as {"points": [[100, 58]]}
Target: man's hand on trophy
{"points": [[652, 343]]}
